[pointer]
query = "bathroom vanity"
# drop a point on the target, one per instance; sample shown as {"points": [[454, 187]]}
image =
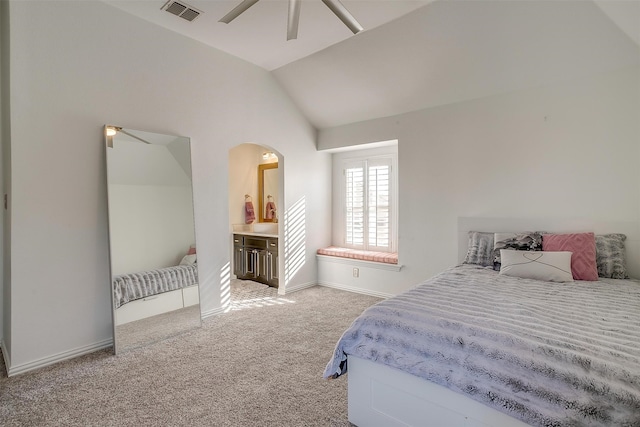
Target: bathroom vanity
{"points": [[255, 257]]}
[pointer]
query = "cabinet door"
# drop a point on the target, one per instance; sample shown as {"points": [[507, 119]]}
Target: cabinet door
{"points": [[263, 266], [238, 261], [272, 261], [250, 263]]}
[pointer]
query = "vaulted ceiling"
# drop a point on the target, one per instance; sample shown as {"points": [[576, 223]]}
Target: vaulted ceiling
{"points": [[259, 35], [415, 54]]}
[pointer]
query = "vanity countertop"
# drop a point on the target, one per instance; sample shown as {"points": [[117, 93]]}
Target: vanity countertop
{"points": [[253, 233]]}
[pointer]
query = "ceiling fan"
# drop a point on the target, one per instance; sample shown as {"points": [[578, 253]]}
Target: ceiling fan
{"points": [[294, 15]]}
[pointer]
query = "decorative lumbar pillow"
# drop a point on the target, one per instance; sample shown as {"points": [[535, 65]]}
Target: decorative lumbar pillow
{"points": [[192, 250], [188, 260], [480, 249], [548, 266], [583, 246], [528, 241], [610, 256]]}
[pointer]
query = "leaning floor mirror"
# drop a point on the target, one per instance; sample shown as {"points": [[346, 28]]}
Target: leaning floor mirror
{"points": [[154, 269]]}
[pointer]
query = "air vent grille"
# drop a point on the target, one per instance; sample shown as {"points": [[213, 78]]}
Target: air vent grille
{"points": [[182, 10]]}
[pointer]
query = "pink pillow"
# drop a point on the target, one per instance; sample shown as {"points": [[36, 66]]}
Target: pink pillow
{"points": [[192, 251], [583, 246]]}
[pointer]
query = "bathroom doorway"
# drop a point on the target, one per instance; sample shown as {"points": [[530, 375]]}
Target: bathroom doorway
{"points": [[256, 195]]}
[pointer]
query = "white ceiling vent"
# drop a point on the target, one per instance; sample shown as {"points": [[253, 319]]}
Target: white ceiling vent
{"points": [[182, 10]]}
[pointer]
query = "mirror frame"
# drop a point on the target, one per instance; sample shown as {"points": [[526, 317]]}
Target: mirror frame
{"points": [[261, 204]]}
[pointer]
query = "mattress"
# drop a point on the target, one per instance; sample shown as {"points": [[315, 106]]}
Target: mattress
{"points": [[130, 287], [549, 354]]}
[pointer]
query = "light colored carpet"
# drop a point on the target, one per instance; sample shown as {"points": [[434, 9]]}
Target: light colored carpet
{"points": [[260, 364]]}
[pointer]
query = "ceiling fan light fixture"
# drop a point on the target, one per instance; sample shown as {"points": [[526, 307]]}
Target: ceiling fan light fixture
{"points": [[294, 15]]}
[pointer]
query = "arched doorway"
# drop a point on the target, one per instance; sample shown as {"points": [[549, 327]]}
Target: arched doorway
{"points": [[256, 195]]}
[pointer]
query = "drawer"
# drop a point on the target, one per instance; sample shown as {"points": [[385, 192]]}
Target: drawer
{"points": [[149, 306], [272, 245], [255, 242], [238, 240]]}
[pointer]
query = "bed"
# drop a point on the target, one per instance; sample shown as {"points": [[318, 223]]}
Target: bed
{"points": [[474, 347], [144, 294], [136, 286]]}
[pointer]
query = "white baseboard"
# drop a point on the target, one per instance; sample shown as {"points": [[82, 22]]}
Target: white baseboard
{"points": [[355, 290], [296, 288], [50, 360]]}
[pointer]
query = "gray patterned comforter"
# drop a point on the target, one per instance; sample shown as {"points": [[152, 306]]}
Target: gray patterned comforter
{"points": [[549, 354], [130, 287]]}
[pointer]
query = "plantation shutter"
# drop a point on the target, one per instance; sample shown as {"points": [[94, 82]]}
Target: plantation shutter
{"points": [[368, 204], [355, 204], [379, 204]]}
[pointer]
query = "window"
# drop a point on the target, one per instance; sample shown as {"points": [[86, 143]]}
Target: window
{"points": [[369, 192]]}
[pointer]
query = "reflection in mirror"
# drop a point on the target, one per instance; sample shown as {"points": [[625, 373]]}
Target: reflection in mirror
{"points": [[268, 192], [154, 274]]}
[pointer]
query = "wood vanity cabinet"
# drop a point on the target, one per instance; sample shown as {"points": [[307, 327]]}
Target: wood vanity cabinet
{"points": [[238, 255], [256, 258]]}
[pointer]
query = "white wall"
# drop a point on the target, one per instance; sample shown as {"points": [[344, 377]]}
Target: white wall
{"points": [[150, 226], [78, 65], [563, 151]]}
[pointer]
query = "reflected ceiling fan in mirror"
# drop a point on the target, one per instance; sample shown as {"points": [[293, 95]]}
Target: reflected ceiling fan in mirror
{"points": [[294, 15]]}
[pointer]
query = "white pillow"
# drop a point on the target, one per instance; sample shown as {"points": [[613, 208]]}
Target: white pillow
{"points": [[539, 265], [188, 260]]}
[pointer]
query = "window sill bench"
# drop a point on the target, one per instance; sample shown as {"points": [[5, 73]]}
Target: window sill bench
{"points": [[378, 260]]}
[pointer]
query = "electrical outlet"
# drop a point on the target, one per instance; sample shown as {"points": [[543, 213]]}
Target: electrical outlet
{"points": [[356, 272]]}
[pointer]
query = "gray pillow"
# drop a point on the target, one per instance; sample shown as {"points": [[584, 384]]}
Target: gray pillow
{"points": [[610, 256], [480, 249]]}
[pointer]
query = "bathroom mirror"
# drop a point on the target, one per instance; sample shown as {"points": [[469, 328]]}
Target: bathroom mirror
{"points": [[268, 192], [153, 256]]}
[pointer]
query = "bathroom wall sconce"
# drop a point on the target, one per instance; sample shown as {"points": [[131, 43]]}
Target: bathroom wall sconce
{"points": [[111, 131], [268, 155]]}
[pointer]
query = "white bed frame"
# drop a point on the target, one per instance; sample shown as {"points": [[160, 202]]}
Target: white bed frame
{"points": [[380, 396], [157, 304]]}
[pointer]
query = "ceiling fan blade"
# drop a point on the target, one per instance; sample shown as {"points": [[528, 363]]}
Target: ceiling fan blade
{"points": [[294, 19], [133, 136], [344, 15], [246, 4]]}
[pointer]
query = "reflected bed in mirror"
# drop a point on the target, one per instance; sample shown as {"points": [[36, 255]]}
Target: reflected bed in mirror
{"points": [[154, 273]]}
